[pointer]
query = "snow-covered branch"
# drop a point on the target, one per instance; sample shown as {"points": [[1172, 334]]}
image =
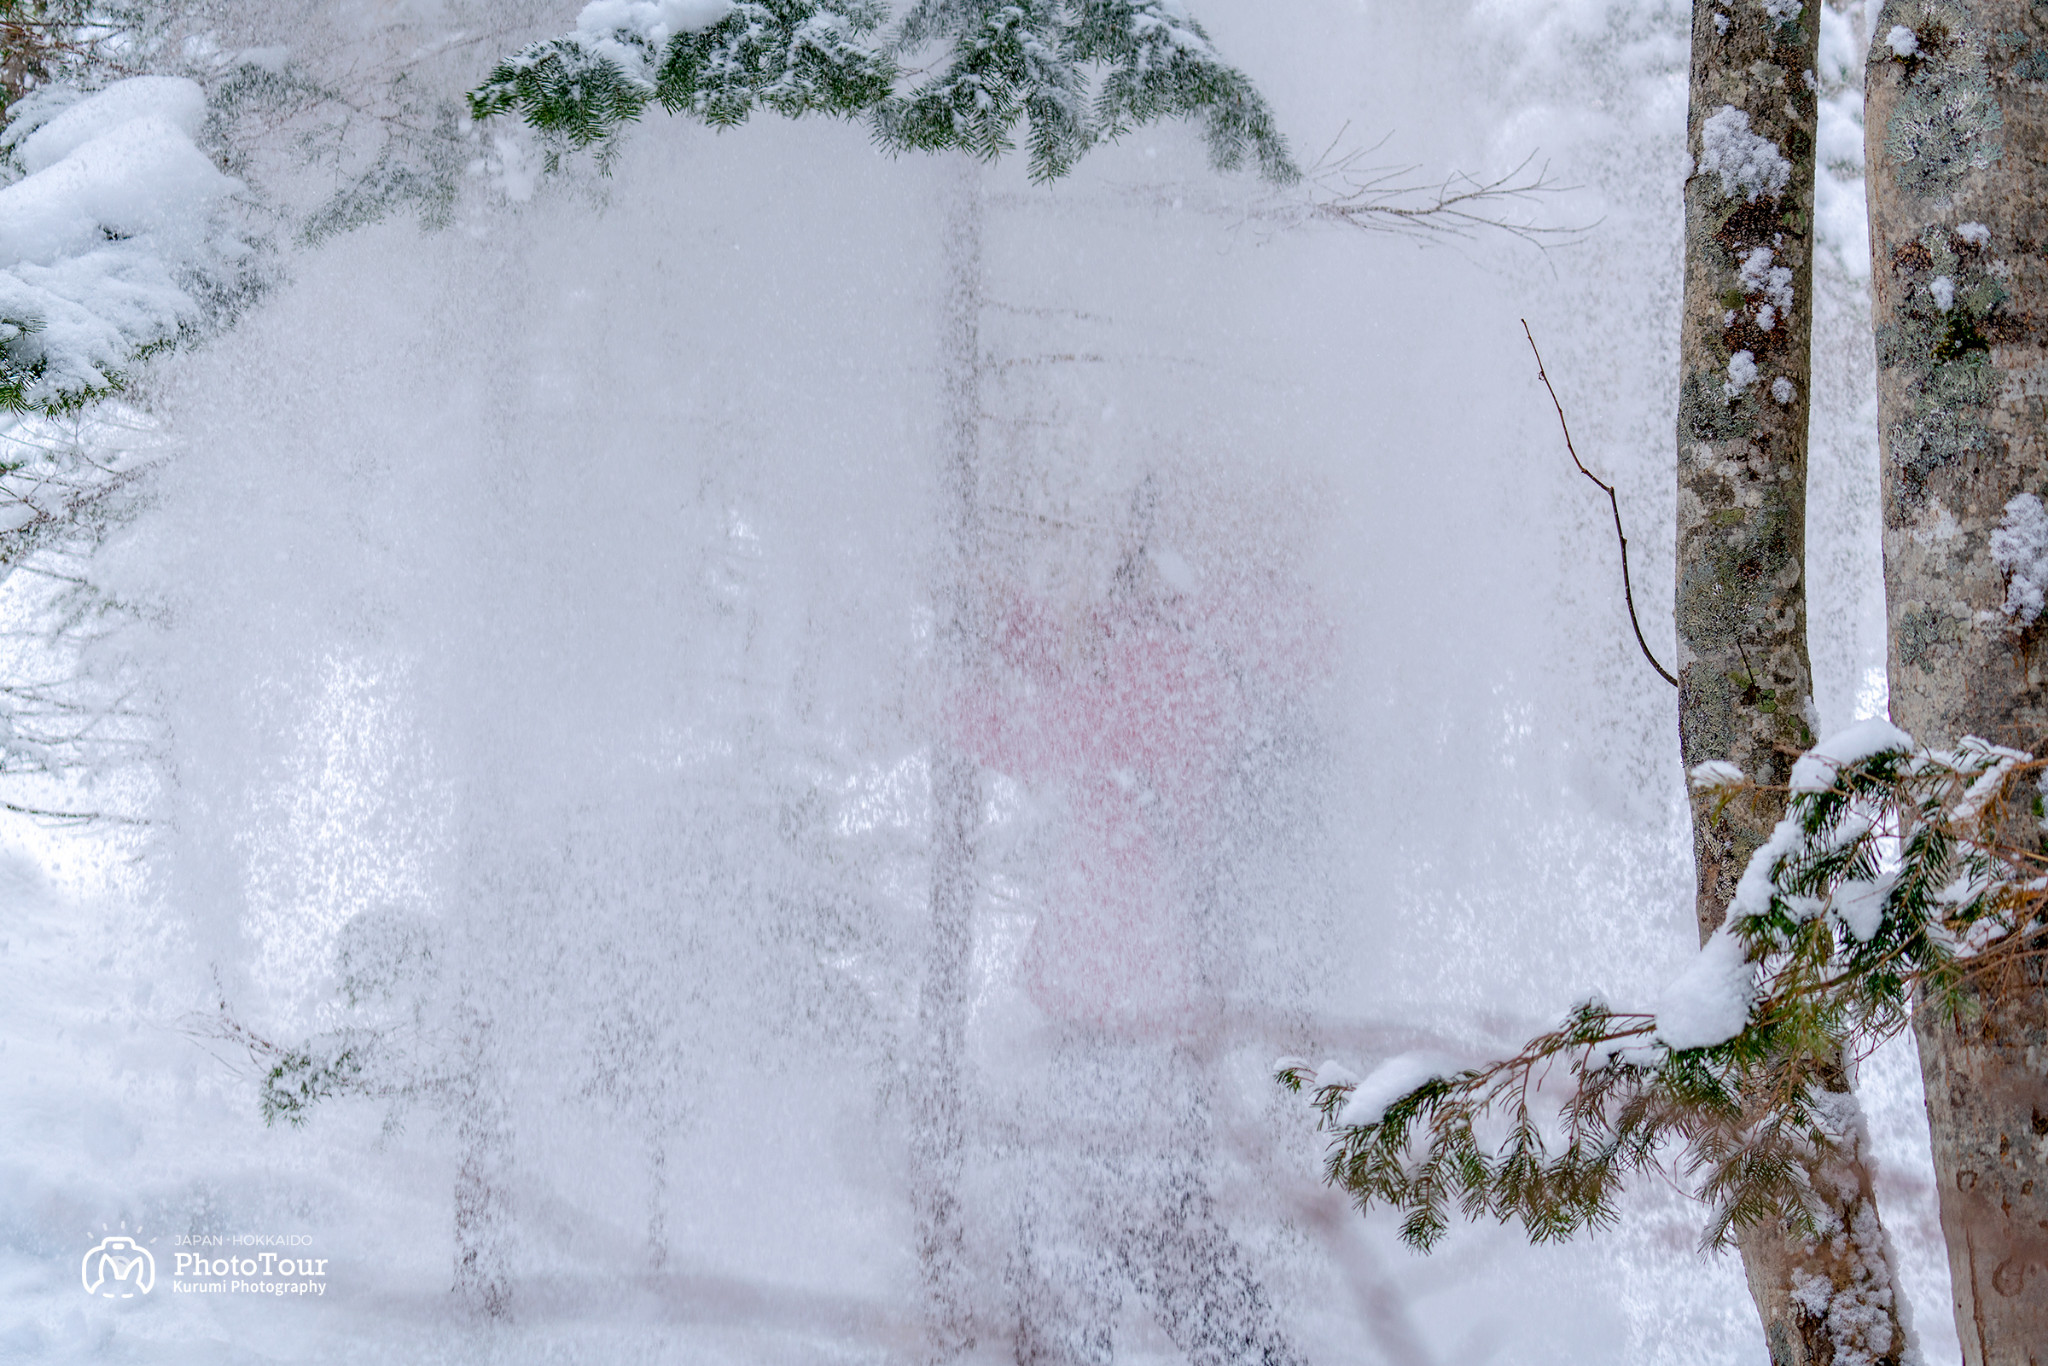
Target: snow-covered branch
{"points": [[999, 65], [1899, 871], [110, 240]]}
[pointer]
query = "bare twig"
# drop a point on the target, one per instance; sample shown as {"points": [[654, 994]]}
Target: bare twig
{"points": [[68, 817], [1351, 190], [1613, 501]]}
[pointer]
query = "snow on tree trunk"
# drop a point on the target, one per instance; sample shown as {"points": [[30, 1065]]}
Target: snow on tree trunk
{"points": [[1955, 121], [1745, 687], [938, 1138]]}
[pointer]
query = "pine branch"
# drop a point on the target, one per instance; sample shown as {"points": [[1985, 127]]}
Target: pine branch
{"points": [[1898, 873]]}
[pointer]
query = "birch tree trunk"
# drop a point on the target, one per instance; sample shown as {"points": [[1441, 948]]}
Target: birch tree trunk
{"points": [[1956, 128], [1745, 687], [937, 1138]]}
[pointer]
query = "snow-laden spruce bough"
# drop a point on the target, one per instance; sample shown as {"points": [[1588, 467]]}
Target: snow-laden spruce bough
{"points": [[1074, 72], [113, 242], [1900, 876]]}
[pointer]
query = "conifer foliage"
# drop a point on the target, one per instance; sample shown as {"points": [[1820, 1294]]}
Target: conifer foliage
{"points": [[1901, 878], [953, 74]]}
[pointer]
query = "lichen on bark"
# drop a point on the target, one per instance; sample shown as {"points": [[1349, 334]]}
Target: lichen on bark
{"points": [[1745, 685], [1957, 135], [1744, 681]]}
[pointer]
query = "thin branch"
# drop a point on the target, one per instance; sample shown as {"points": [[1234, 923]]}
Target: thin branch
{"points": [[69, 817], [1348, 189], [1613, 501], [1399, 200]]}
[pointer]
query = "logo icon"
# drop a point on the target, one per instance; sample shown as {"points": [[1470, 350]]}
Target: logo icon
{"points": [[119, 1268]]}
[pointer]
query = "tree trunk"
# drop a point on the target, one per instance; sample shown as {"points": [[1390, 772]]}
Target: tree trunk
{"points": [[937, 1139], [483, 1282], [1745, 687], [1956, 128]]}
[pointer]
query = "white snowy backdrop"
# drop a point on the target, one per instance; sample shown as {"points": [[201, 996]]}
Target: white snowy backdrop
{"points": [[536, 617]]}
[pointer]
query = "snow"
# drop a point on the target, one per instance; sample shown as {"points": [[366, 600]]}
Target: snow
{"points": [[1855, 1316], [1758, 275], [1974, 749], [1943, 289], [1742, 373], [631, 35], [1859, 906], [1709, 1004], [173, 100], [271, 59], [1747, 163], [1839, 139], [656, 21], [1178, 573], [1333, 1073], [1783, 11], [1816, 769], [139, 177], [1782, 390], [1841, 218], [2019, 547], [1387, 1083], [1976, 234], [96, 243], [1715, 773], [1154, 20], [1902, 41]]}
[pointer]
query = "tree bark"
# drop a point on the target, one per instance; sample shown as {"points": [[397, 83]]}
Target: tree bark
{"points": [[1956, 130], [1745, 686], [937, 1138]]}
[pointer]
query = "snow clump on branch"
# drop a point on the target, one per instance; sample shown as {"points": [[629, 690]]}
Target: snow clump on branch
{"points": [[1710, 1002], [1716, 773], [1391, 1080], [632, 33], [1815, 770], [1749, 164], [106, 239]]}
